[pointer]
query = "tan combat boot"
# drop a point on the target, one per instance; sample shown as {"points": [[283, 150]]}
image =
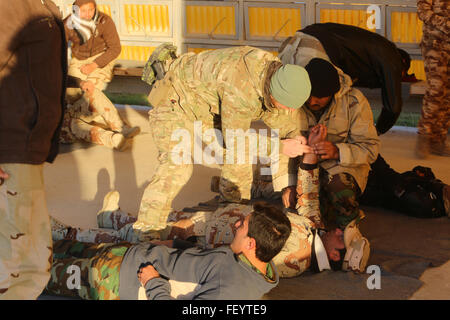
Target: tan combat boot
{"points": [[110, 204], [119, 142], [130, 132], [59, 229], [357, 246]]}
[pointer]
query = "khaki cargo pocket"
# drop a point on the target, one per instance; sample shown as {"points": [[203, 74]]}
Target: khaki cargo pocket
{"points": [[159, 92]]}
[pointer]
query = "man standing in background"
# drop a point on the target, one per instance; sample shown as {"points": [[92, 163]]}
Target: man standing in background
{"points": [[33, 69]]}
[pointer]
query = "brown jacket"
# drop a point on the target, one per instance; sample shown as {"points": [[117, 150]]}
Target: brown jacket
{"points": [[33, 68], [106, 39]]}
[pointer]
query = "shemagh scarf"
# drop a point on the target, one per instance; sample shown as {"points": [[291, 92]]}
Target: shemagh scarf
{"points": [[84, 28]]}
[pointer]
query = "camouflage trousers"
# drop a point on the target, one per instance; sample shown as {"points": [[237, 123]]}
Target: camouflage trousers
{"points": [[87, 270], [338, 199], [25, 239], [100, 77], [175, 160], [117, 226], [435, 117], [91, 117]]}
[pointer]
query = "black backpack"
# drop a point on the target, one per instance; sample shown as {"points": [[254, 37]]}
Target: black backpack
{"points": [[416, 193]]}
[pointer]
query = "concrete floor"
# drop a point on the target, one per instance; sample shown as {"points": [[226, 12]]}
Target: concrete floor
{"points": [[82, 174]]}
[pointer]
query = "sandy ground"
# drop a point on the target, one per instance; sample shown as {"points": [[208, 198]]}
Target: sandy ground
{"points": [[82, 174]]}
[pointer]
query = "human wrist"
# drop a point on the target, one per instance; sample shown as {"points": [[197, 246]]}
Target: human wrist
{"points": [[310, 158]]}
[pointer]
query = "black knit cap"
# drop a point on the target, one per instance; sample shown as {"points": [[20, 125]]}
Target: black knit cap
{"points": [[324, 78]]}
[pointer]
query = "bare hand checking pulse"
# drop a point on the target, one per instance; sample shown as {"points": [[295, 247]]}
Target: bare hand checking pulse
{"points": [[326, 150], [295, 147]]}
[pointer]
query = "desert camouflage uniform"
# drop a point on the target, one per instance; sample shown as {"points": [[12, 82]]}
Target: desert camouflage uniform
{"points": [[98, 267], [100, 77], [116, 226], [91, 117], [207, 87], [434, 121], [25, 239]]}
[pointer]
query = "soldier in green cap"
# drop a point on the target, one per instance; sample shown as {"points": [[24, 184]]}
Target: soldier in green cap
{"points": [[224, 89]]}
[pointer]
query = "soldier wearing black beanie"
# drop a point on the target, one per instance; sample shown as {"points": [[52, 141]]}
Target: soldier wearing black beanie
{"points": [[324, 78]]}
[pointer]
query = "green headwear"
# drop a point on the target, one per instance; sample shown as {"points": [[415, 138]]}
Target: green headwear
{"points": [[290, 86]]}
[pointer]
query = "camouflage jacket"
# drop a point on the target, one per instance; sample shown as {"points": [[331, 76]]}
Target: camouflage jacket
{"points": [[225, 88], [435, 16], [349, 121]]}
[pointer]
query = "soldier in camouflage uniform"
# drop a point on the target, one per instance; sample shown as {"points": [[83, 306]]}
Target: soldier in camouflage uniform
{"points": [[98, 270], [224, 89], [90, 115], [434, 121]]}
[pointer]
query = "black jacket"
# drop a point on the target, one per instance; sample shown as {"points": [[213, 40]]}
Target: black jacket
{"points": [[33, 69], [369, 59]]}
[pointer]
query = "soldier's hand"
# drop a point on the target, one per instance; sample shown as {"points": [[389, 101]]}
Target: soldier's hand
{"points": [[295, 147], [326, 150], [87, 86], [146, 274], [3, 176], [289, 197], [317, 134], [88, 68]]}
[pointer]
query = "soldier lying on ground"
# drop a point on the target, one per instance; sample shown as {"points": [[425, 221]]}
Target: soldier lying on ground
{"points": [[242, 270], [90, 115], [213, 225]]}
